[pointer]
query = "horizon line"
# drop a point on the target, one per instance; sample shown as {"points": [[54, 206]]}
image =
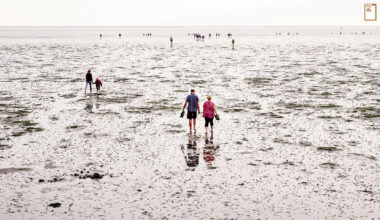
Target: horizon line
{"points": [[190, 25]]}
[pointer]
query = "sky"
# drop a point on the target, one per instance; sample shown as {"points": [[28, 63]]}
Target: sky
{"points": [[183, 12]]}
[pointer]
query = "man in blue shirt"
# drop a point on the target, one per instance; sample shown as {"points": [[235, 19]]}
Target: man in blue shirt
{"points": [[192, 101]]}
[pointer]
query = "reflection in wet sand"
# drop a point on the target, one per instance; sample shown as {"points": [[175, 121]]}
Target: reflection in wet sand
{"points": [[191, 152], [89, 104], [97, 103], [209, 151]]}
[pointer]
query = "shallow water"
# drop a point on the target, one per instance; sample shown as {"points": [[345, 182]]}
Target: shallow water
{"points": [[299, 135]]}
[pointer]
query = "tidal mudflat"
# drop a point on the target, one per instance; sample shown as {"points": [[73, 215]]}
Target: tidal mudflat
{"points": [[299, 136]]}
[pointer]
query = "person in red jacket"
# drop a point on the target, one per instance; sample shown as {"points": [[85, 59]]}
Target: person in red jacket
{"points": [[209, 111], [98, 84]]}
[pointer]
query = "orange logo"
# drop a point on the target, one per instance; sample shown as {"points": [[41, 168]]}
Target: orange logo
{"points": [[370, 12]]}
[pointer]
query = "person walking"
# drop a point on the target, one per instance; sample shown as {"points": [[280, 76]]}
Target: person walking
{"points": [[171, 41], [192, 103], [233, 44], [89, 81], [209, 112], [98, 84]]}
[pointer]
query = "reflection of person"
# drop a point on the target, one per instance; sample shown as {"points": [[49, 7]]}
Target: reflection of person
{"points": [[209, 151], [192, 154], [209, 112], [89, 81], [97, 104], [192, 101], [89, 105]]}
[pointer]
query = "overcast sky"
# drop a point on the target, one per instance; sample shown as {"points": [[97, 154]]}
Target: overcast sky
{"points": [[182, 12]]}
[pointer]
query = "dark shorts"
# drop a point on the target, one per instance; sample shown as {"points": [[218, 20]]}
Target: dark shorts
{"points": [[191, 115], [89, 83], [209, 120]]}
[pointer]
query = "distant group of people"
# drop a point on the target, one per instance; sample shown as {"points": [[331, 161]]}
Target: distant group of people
{"points": [[209, 112], [101, 35], [288, 33], [198, 37], [147, 35], [90, 81]]}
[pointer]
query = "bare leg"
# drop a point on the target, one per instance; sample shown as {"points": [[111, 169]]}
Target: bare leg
{"points": [[190, 125], [212, 130], [195, 123], [85, 90], [206, 129]]}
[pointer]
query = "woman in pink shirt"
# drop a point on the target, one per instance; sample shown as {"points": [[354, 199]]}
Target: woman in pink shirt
{"points": [[209, 112]]}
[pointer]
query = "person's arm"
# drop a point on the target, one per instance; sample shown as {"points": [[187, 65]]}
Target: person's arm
{"points": [[101, 83], [215, 110], [184, 106], [199, 110]]}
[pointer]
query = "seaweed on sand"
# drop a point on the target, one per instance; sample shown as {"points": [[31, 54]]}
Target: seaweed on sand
{"points": [[257, 80], [73, 127], [4, 146], [274, 115], [297, 106], [328, 117], [21, 113], [329, 149], [18, 134], [330, 105], [68, 96], [329, 165], [362, 155], [26, 123], [13, 170], [55, 205]]}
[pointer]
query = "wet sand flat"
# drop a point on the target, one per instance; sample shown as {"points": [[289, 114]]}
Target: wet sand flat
{"points": [[299, 136]]}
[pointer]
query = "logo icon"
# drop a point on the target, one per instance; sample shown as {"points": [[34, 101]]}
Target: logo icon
{"points": [[370, 12]]}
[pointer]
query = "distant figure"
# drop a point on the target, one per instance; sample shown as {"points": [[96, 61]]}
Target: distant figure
{"points": [[209, 35], [98, 84], [209, 112], [233, 44], [119, 35], [192, 101], [89, 81], [171, 41], [100, 35]]}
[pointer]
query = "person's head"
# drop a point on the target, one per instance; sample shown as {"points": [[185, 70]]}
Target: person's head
{"points": [[192, 91], [89, 71], [209, 98], [97, 79]]}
